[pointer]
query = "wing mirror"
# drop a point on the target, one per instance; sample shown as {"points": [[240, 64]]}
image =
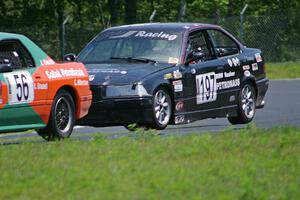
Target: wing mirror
{"points": [[5, 68], [194, 56], [70, 57]]}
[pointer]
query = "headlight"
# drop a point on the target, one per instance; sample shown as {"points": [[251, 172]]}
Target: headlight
{"points": [[126, 90]]}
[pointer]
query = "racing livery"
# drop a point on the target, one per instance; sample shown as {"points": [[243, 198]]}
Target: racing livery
{"points": [[37, 93], [171, 73]]}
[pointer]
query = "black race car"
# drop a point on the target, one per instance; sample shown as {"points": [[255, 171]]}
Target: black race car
{"points": [[171, 73]]}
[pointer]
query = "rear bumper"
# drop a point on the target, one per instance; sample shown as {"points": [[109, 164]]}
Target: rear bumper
{"points": [[84, 105], [121, 111], [262, 87]]}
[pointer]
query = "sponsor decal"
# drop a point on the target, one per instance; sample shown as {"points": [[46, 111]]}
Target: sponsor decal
{"points": [[91, 77], [219, 76], [178, 87], [168, 76], [236, 61], [174, 75], [254, 66], [246, 67], [258, 57], [60, 73], [247, 73], [177, 74], [229, 74], [179, 119], [193, 71], [125, 35], [233, 62], [179, 106], [229, 62], [228, 84], [71, 72], [80, 82], [173, 60], [158, 35], [47, 61], [53, 74], [41, 86]]}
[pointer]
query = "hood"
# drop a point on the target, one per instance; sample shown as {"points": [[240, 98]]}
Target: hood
{"points": [[122, 73]]}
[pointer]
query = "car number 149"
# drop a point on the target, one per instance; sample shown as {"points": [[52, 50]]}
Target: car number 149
{"points": [[206, 87]]}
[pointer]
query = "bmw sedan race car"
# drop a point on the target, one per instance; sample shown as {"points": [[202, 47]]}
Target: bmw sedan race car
{"points": [[37, 93], [171, 73]]}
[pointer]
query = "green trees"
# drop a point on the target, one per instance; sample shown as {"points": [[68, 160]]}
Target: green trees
{"points": [[278, 22]]}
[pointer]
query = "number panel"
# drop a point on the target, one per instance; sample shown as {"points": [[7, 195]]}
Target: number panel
{"points": [[206, 87], [20, 87]]}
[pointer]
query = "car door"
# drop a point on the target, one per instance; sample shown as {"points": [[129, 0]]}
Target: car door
{"points": [[20, 86], [200, 78], [228, 52]]}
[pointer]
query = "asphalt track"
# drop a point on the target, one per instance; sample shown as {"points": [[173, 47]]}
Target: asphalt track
{"points": [[282, 108]]}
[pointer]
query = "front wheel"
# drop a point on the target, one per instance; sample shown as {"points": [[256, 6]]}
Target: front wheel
{"points": [[62, 117], [246, 105], [161, 109]]}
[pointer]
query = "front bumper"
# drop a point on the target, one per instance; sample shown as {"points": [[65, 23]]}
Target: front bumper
{"points": [[119, 111]]}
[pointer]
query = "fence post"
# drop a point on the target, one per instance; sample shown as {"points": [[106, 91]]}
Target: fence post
{"points": [[242, 23], [63, 33], [152, 16]]}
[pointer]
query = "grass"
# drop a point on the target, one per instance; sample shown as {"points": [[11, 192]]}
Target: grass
{"points": [[287, 70], [250, 163]]}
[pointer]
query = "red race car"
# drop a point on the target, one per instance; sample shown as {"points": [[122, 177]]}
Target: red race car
{"points": [[37, 93]]}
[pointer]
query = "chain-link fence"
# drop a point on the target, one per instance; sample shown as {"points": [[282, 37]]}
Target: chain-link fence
{"points": [[278, 35]]}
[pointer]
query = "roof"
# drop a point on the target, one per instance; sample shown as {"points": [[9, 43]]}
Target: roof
{"points": [[4, 35], [163, 26], [36, 52]]}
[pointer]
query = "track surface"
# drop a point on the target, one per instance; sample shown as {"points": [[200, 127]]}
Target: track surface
{"points": [[282, 108]]}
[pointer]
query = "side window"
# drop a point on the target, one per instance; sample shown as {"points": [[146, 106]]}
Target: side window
{"points": [[198, 42], [13, 52], [223, 44]]}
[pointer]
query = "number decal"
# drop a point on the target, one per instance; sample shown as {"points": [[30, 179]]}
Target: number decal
{"points": [[21, 88], [206, 87]]}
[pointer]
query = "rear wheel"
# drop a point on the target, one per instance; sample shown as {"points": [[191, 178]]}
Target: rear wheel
{"points": [[62, 118], [246, 105]]}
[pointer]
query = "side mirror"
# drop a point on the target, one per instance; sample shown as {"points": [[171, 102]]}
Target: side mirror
{"points": [[69, 57], [5, 68], [194, 56]]}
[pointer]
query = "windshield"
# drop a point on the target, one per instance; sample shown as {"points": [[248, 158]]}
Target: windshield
{"points": [[160, 46]]}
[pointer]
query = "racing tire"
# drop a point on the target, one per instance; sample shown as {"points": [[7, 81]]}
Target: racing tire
{"points": [[62, 118], [246, 105], [161, 109]]}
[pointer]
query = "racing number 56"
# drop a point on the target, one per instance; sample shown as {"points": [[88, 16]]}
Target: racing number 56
{"points": [[206, 87], [22, 87]]}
